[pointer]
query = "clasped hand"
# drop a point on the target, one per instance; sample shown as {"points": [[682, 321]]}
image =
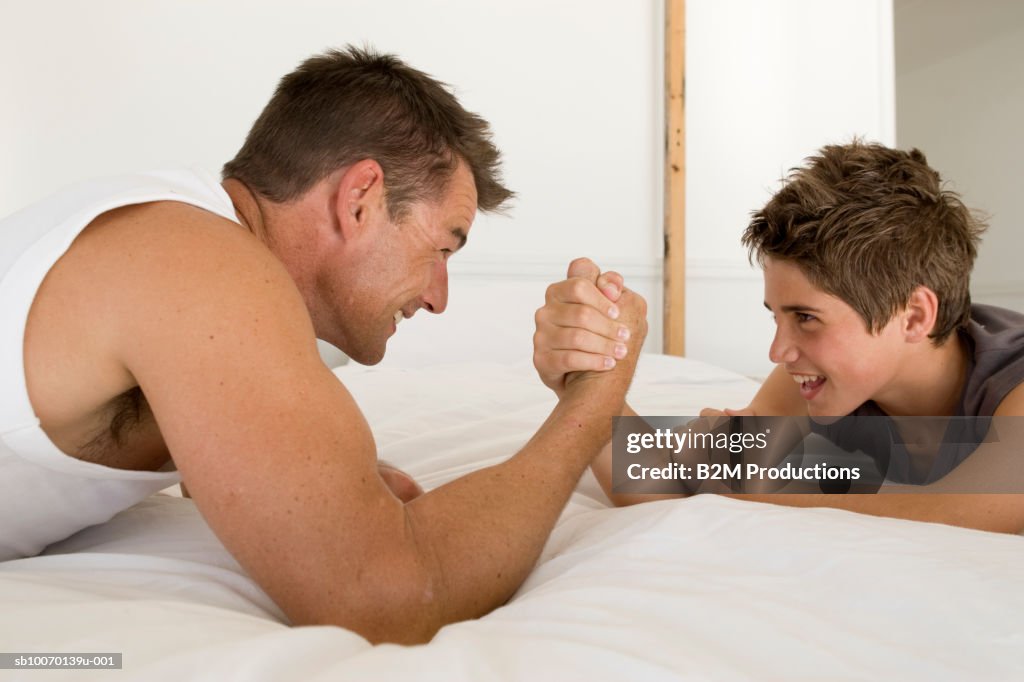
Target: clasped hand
{"points": [[590, 322]]}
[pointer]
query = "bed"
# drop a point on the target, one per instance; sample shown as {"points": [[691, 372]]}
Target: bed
{"points": [[703, 588]]}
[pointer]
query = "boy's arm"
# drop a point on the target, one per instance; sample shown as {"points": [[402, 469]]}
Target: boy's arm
{"points": [[602, 468], [776, 397], [937, 503], [994, 466]]}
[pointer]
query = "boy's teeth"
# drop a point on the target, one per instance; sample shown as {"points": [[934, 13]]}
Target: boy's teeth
{"points": [[398, 317], [805, 378]]}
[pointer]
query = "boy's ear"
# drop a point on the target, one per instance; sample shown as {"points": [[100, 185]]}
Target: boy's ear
{"points": [[360, 196], [920, 314]]}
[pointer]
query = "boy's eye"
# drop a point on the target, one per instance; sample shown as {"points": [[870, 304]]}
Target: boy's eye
{"points": [[804, 317]]}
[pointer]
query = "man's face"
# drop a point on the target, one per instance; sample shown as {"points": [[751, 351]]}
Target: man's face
{"points": [[836, 363], [400, 268]]}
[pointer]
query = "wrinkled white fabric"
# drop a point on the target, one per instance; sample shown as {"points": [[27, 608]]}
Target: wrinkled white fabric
{"points": [[45, 495]]}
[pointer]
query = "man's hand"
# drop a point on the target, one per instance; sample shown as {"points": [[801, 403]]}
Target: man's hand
{"points": [[578, 328]]}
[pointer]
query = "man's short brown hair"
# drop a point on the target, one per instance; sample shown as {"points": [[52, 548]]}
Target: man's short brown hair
{"points": [[344, 106], [869, 224]]}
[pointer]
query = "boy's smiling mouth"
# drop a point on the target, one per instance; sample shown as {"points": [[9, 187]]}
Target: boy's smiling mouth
{"points": [[810, 384]]}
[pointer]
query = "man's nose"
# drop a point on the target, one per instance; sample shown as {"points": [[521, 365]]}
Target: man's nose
{"points": [[435, 298], [783, 349]]}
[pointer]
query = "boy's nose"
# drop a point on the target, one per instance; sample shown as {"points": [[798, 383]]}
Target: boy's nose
{"points": [[782, 349]]}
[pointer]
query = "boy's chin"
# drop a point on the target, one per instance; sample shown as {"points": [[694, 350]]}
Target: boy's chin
{"points": [[829, 405]]}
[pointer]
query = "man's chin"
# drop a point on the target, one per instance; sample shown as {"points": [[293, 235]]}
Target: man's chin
{"points": [[366, 356]]}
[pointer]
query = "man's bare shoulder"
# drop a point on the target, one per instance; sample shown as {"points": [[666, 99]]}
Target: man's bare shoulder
{"points": [[173, 238], [168, 263], [138, 285]]}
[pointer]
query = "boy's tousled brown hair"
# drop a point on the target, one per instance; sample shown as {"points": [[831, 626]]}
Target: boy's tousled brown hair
{"points": [[344, 106], [869, 224]]}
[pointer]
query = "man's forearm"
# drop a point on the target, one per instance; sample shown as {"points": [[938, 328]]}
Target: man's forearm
{"points": [[480, 535]]}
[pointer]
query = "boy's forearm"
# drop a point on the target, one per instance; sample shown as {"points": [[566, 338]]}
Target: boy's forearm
{"points": [[602, 468], [990, 512]]}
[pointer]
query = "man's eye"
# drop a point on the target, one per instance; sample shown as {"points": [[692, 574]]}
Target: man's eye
{"points": [[804, 317]]}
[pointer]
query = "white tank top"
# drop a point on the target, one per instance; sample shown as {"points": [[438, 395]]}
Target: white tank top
{"points": [[45, 494]]}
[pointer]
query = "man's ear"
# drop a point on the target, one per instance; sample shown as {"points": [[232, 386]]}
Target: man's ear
{"points": [[920, 314], [360, 195]]}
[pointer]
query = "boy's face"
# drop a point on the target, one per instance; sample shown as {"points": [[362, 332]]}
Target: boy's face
{"points": [[835, 362]]}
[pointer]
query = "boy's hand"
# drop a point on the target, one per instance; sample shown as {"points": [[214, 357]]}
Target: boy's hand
{"points": [[727, 412], [577, 328]]}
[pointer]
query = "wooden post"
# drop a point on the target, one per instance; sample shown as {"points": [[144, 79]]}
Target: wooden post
{"points": [[674, 319]]}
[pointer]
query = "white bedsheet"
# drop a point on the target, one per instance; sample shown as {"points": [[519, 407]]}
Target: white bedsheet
{"points": [[706, 588]]}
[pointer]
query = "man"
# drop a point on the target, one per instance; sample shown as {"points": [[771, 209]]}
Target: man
{"points": [[192, 309]]}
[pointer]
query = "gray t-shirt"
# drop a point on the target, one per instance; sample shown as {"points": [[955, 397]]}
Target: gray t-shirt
{"points": [[994, 339]]}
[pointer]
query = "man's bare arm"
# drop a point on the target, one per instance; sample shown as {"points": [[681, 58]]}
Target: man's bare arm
{"points": [[282, 464], [576, 331]]}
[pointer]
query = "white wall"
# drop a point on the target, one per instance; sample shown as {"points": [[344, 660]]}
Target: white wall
{"points": [[572, 89], [960, 99], [768, 83]]}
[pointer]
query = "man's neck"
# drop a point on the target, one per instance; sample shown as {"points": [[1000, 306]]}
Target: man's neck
{"points": [[247, 207], [290, 231]]}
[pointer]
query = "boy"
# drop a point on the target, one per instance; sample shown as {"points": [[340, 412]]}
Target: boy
{"points": [[867, 265]]}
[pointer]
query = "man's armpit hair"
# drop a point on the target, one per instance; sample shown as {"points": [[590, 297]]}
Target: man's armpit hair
{"points": [[127, 412]]}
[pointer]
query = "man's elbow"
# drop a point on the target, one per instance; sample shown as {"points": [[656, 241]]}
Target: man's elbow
{"points": [[397, 611]]}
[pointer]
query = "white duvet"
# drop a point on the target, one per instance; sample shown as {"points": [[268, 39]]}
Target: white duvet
{"points": [[704, 588]]}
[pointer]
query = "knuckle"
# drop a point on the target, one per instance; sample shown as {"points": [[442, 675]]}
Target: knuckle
{"points": [[583, 267], [567, 362], [580, 287], [583, 317]]}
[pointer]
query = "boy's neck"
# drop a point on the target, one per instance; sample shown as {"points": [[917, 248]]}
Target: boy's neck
{"points": [[930, 382]]}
